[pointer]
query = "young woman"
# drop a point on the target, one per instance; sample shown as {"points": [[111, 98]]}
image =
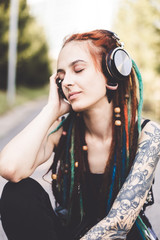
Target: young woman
{"points": [[105, 154]]}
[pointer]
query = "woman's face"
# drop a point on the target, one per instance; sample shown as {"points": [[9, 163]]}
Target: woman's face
{"points": [[83, 84]]}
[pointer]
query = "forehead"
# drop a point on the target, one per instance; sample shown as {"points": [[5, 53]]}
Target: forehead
{"points": [[74, 50]]}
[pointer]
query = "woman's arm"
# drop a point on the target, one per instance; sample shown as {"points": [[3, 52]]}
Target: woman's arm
{"points": [[133, 193], [31, 146]]}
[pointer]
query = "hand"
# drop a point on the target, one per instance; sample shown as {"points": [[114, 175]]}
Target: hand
{"points": [[55, 100]]}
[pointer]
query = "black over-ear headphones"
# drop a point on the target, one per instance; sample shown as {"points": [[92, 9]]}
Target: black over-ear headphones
{"points": [[117, 64], [59, 84]]}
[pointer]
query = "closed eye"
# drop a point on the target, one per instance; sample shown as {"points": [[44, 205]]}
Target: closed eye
{"points": [[80, 70]]}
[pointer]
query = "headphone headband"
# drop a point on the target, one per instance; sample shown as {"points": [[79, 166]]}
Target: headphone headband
{"points": [[116, 37]]}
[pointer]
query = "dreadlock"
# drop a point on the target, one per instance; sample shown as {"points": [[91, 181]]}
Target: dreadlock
{"points": [[70, 160]]}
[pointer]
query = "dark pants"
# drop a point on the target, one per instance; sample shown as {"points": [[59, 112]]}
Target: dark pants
{"points": [[27, 214]]}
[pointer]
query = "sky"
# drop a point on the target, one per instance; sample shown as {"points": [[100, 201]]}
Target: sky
{"points": [[64, 17]]}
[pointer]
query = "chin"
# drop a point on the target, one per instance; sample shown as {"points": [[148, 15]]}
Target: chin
{"points": [[79, 107]]}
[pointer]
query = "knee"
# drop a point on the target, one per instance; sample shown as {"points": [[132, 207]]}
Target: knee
{"points": [[17, 196], [26, 187], [24, 210]]}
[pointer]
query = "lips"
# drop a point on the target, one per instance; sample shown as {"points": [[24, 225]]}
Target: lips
{"points": [[73, 95]]}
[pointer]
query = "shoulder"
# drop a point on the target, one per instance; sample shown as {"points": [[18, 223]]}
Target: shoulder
{"points": [[150, 137], [148, 151], [150, 128]]}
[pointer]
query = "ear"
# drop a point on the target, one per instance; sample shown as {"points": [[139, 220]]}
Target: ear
{"points": [[112, 87]]}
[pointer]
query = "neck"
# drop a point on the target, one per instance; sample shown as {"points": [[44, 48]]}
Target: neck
{"points": [[98, 121]]}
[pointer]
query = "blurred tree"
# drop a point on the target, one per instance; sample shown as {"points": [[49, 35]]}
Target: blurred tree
{"points": [[156, 5], [138, 24], [4, 27], [33, 63]]}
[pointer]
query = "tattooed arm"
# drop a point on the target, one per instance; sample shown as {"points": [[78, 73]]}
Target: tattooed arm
{"points": [[133, 193]]}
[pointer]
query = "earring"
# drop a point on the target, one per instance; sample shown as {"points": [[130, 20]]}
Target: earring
{"points": [[112, 87], [117, 114]]}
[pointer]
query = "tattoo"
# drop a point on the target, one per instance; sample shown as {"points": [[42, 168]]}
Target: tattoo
{"points": [[133, 193]]}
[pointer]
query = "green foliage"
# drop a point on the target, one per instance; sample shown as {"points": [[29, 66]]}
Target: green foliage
{"points": [[33, 63], [4, 26], [138, 22], [138, 25]]}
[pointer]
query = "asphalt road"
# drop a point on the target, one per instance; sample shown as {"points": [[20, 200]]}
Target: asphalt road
{"points": [[16, 120], [11, 124]]}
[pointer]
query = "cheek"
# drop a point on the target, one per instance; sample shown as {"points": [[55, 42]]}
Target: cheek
{"points": [[98, 87], [99, 80]]}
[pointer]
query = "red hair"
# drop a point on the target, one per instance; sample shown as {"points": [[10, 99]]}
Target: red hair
{"points": [[99, 42]]}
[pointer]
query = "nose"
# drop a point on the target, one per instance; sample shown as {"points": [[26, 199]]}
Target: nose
{"points": [[68, 81]]}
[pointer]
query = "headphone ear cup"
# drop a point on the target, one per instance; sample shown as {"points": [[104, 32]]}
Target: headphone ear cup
{"points": [[59, 84], [119, 64]]}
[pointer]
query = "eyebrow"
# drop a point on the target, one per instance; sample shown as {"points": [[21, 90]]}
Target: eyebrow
{"points": [[71, 64]]}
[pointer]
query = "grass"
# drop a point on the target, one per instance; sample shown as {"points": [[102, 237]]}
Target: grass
{"points": [[23, 95]]}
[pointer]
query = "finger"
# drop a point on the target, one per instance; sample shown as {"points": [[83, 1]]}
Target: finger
{"points": [[53, 78]]}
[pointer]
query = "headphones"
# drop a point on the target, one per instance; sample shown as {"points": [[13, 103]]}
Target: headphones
{"points": [[117, 64], [59, 84]]}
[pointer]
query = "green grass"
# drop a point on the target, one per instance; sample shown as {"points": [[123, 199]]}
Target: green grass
{"points": [[22, 95]]}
